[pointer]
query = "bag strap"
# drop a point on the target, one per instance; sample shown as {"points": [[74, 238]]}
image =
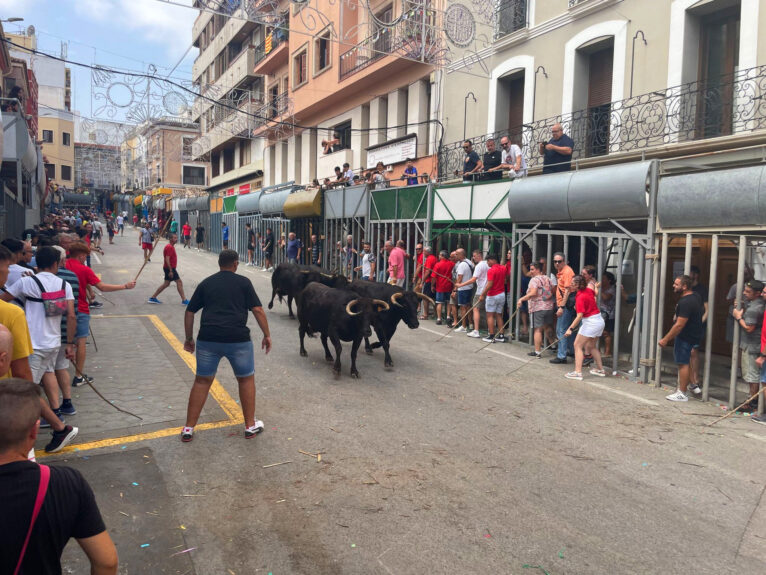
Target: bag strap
{"points": [[42, 290], [42, 489]]}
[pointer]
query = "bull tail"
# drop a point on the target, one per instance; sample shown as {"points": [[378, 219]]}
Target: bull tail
{"points": [[274, 293]]}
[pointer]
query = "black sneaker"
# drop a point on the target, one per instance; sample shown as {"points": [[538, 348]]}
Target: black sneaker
{"points": [[78, 381], [438, 322], [587, 360], [61, 439], [96, 304], [66, 408], [251, 432], [500, 338], [534, 353], [558, 360]]}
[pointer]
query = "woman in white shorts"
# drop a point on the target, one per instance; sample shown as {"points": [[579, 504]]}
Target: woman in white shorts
{"points": [[591, 327]]}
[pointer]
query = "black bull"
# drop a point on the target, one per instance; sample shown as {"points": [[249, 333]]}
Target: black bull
{"points": [[340, 315], [290, 279], [404, 307]]}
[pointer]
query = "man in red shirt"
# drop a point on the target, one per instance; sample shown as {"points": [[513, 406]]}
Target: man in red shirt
{"points": [[170, 262], [78, 253], [186, 231], [442, 274], [426, 261], [494, 294]]}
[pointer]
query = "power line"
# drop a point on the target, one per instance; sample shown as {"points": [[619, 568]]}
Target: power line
{"points": [[217, 102]]}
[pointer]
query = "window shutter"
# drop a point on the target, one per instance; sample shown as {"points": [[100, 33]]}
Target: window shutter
{"points": [[516, 105], [600, 77]]}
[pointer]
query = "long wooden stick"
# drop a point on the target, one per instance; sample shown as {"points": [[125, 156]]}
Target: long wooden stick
{"points": [[87, 380], [502, 329], [459, 323], [733, 411], [156, 241], [538, 356]]}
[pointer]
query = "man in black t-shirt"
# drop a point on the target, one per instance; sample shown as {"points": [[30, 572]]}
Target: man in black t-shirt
{"points": [[694, 364], [471, 163], [492, 159], [687, 331], [268, 249], [557, 152], [68, 508], [250, 244], [225, 299]]}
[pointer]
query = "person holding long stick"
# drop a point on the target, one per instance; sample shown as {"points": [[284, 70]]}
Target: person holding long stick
{"points": [[591, 329], [78, 253], [146, 241]]}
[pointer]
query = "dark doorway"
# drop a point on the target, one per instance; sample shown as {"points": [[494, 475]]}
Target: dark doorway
{"points": [[600, 65]]}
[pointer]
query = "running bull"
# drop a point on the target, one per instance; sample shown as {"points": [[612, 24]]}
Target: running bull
{"points": [[290, 279], [340, 315], [404, 307]]}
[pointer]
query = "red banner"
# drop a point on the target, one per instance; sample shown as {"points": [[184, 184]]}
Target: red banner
{"points": [[244, 189], [230, 192]]}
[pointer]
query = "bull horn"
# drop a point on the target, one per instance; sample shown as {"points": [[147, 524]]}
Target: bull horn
{"points": [[381, 303], [305, 271], [395, 298], [425, 297], [326, 275], [351, 304]]}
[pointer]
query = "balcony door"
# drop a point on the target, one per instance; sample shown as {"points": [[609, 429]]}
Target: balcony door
{"points": [[382, 34], [719, 52], [600, 65], [515, 108]]}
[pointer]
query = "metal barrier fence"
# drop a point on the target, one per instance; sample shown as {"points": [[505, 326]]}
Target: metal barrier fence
{"points": [[213, 237]]}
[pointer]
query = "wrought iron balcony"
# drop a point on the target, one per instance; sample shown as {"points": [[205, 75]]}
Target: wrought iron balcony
{"points": [[415, 37], [510, 16], [277, 37], [728, 105]]}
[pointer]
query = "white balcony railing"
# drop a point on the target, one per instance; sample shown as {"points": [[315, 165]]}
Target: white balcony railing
{"points": [[231, 28], [239, 70]]}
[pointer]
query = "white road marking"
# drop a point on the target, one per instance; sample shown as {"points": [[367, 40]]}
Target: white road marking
{"points": [[754, 436], [622, 393], [98, 259], [591, 383], [434, 332]]}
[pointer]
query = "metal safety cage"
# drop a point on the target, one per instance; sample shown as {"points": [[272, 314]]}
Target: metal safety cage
{"points": [[400, 213], [346, 212]]}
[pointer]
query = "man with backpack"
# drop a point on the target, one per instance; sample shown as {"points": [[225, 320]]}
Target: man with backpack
{"points": [[46, 299]]}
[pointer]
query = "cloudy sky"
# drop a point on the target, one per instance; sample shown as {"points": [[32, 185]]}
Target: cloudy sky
{"points": [[128, 34]]}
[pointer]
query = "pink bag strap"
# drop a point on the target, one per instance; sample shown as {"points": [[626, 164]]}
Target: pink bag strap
{"points": [[42, 489]]}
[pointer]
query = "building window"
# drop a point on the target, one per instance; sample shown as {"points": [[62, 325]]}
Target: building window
{"points": [[228, 160], [511, 15], [66, 173], [48, 136], [244, 152], [66, 139], [344, 135], [322, 53], [187, 148], [300, 71], [215, 165], [193, 175], [50, 171]]}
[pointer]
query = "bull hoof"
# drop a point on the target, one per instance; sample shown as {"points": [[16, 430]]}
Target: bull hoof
{"points": [[388, 363], [303, 353], [271, 305], [368, 350], [336, 373], [354, 374], [329, 358]]}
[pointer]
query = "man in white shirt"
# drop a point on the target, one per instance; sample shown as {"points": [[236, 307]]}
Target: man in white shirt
{"points": [[464, 270], [348, 174], [15, 271], [46, 298], [512, 159], [479, 278], [120, 224]]}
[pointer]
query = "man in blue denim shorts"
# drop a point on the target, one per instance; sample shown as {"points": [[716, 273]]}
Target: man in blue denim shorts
{"points": [[225, 299], [687, 332]]}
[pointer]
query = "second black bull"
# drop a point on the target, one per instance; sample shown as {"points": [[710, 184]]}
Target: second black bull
{"points": [[404, 307], [288, 280]]}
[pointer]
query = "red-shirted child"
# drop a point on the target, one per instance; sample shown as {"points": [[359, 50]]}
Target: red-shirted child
{"points": [[442, 276], [170, 261]]}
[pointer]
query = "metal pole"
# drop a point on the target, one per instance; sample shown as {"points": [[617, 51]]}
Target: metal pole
{"points": [[709, 328], [617, 308], [661, 310], [582, 253], [566, 254], [737, 332], [600, 270], [548, 255], [688, 255], [517, 262], [638, 325]]}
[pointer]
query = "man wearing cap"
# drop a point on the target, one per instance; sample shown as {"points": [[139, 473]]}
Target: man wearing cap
{"points": [[750, 320]]}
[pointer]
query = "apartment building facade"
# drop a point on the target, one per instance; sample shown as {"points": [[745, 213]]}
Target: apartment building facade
{"points": [[224, 72], [622, 75]]}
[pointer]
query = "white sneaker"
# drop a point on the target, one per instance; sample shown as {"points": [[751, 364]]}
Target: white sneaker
{"points": [[474, 333], [574, 375], [694, 388], [677, 396], [461, 329]]}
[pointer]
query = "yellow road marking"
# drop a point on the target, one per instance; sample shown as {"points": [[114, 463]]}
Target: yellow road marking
{"points": [[227, 403]]}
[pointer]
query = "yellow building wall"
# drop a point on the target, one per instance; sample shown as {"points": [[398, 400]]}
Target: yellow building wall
{"points": [[56, 152]]}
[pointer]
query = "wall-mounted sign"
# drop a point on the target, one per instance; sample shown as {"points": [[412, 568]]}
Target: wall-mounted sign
{"points": [[229, 192], [244, 189], [393, 152]]}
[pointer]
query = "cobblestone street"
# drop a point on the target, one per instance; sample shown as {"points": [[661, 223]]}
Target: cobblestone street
{"points": [[444, 463]]}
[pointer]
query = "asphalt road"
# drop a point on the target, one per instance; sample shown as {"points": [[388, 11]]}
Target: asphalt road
{"points": [[444, 464]]}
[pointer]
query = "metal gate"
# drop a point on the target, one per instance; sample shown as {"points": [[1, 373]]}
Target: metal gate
{"points": [[230, 219], [345, 214], [213, 236], [399, 213], [303, 228]]}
